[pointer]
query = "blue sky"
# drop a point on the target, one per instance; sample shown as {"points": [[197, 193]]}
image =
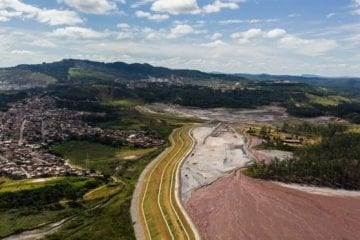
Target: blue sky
{"points": [[253, 36]]}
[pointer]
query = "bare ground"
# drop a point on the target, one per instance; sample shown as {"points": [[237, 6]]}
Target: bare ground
{"points": [[238, 207], [218, 150]]}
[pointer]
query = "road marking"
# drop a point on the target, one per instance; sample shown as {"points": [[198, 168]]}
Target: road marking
{"points": [[148, 181], [161, 182], [173, 139], [170, 194]]}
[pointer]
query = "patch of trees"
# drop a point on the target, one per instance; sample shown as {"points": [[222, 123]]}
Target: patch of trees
{"points": [[305, 128], [109, 141], [40, 197], [335, 162], [205, 97], [6, 98], [86, 106], [349, 111]]}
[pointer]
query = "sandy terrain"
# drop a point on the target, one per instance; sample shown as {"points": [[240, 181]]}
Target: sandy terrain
{"points": [[256, 209], [218, 150]]}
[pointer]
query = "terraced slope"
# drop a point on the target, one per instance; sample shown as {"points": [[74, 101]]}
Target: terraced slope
{"points": [[159, 209]]}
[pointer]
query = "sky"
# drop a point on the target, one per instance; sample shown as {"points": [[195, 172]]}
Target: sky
{"points": [[319, 37]]}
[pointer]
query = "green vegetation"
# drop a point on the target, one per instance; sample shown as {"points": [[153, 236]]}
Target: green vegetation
{"points": [[9, 97], [40, 197], [104, 192], [328, 100], [334, 162], [89, 75], [113, 221], [8, 185], [96, 156], [23, 77], [122, 102], [26, 204], [22, 219]]}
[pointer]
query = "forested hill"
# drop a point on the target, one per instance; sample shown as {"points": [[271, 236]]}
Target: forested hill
{"points": [[184, 87], [71, 70], [349, 84]]}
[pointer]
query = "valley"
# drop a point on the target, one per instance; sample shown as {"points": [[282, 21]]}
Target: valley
{"points": [[139, 157]]}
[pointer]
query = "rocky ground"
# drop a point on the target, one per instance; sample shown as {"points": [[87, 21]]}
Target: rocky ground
{"points": [[261, 114], [218, 150]]}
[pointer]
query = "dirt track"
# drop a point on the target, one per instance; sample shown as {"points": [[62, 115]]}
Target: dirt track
{"points": [[238, 207]]}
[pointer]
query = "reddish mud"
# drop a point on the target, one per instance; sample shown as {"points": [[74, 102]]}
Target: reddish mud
{"points": [[241, 208]]}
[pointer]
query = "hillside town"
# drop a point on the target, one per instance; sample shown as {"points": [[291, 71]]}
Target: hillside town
{"points": [[30, 126]]}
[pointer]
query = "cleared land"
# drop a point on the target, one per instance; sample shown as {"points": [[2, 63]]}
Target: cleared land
{"points": [[162, 217], [239, 207], [261, 114], [219, 149]]}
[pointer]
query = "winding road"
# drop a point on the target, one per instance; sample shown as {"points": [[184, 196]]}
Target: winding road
{"points": [[157, 210]]}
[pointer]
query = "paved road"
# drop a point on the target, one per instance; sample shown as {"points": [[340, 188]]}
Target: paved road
{"points": [[157, 210]]}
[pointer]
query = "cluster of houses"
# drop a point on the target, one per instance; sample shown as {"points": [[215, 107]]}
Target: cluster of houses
{"points": [[30, 126]]}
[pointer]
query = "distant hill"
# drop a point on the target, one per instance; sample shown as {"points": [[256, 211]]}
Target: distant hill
{"points": [[75, 71], [69, 70], [349, 84]]}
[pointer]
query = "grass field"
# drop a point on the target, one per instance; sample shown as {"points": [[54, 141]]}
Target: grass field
{"points": [[104, 192], [7, 185], [329, 100], [162, 217], [97, 156], [122, 102]]}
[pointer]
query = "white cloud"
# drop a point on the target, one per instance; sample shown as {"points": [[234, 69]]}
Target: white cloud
{"points": [[42, 43], [217, 5], [21, 52], [309, 47], [248, 21], [91, 6], [149, 16], [175, 6], [177, 31], [57, 17], [216, 36], [330, 15], [180, 31], [123, 25], [356, 7], [216, 43], [140, 3], [276, 33], [78, 33], [124, 35], [6, 15], [191, 6], [251, 33], [16, 8], [294, 15]]}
